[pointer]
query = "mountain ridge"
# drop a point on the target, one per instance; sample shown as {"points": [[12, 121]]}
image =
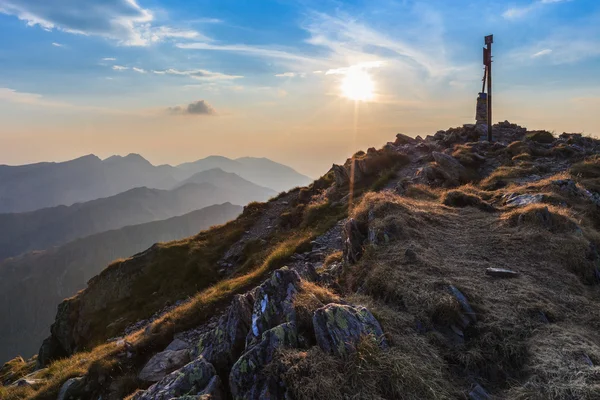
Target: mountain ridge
{"points": [[40, 280], [437, 268]]}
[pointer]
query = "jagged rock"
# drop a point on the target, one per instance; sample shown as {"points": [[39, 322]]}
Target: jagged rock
{"points": [[246, 381], [50, 350], [338, 328], [163, 363], [479, 393], [340, 174], [501, 273], [464, 304], [224, 344], [452, 170], [72, 389], [522, 200], [353, 240], [274, 303], [404, 139], [178, 344], [192, 379]]}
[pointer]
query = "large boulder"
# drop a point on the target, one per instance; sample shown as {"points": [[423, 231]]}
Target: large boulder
{"points": [[163, 363], [273, 303], [223, 345], [247, 380], [192, 379], [339, 328], [72, 389], [453, 171]]}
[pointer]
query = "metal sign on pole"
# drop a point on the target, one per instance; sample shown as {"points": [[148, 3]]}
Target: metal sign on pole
{"points": [[487, 60]]}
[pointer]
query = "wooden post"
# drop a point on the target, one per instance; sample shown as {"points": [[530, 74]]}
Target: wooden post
{"points": [[488, 41]]}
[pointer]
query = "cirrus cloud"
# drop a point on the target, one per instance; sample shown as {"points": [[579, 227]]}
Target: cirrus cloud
{"points": [[122, 20]]}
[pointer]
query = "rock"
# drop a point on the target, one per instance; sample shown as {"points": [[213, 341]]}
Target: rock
{"points": [[50, 350], [274, 303], [191, 379], [163, 363], [28, 382], [178, 344], [410, 255], [338, 328], [464, 303], [452, 170], [214, 391], [479, 393], [514, 200], [501, 273], [404, 139], [72, 389], [247, 381], [340, 174], [223, 345], [353, 240]]}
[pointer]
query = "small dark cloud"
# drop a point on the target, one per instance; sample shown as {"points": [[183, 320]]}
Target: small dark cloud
{"points": [[199, 107]]}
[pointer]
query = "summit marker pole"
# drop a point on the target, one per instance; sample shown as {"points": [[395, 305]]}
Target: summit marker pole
{"points": [[488, 41]]}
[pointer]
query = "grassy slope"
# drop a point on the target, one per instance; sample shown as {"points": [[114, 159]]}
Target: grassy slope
{"points": [[512, 350]]}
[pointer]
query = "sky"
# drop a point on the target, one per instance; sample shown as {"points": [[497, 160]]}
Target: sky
{"points": [[306, 83]]}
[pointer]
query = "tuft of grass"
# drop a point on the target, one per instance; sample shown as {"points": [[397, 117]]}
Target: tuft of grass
{"points": [[369, 373], [538, 216], [540, 137], [333, 257], [458, 198], [383, 178], [587, 173]]}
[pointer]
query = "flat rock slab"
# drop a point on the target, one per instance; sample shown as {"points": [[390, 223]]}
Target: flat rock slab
{"points": [[501, 273]]}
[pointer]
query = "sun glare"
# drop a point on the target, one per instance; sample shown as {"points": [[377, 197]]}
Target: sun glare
{"points": [[358, 85]]}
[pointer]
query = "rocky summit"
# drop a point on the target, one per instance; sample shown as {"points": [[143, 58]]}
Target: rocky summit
{"points": [[444, 267]]}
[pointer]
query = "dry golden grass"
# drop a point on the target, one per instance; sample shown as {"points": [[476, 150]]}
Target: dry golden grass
{"points": [[454, 247], [333, 257]]}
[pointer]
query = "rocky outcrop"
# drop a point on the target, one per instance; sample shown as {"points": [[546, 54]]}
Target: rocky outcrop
{"points": [[163, 363], [247, 381], [72, 389], [224, 344], [353, 238], [339, 328], [273, 303], [193, 378]]}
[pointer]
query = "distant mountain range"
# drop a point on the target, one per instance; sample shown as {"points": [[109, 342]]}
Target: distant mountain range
{"points": [[35, 186], [41, 229], [32, 285]]}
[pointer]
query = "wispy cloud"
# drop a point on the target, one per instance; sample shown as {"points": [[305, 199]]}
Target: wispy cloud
{"points": [[57, 44], [291, 75], [122, 20], [520, 12], [34, 99], [109, 59], [140, 70], [360, 66], [541, 53], [200, 74], [119, 67]]}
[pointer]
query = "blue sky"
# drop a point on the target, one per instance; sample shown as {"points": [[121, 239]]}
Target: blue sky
{"points": [[177, 80]]}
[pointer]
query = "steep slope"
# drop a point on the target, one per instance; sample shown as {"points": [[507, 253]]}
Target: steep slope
{"points": [[31, 187], [41, 229], [32, 285], [261, 171], [436, 268]]}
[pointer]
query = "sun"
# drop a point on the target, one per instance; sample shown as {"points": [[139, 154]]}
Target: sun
{"points": [[358, 85]]}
